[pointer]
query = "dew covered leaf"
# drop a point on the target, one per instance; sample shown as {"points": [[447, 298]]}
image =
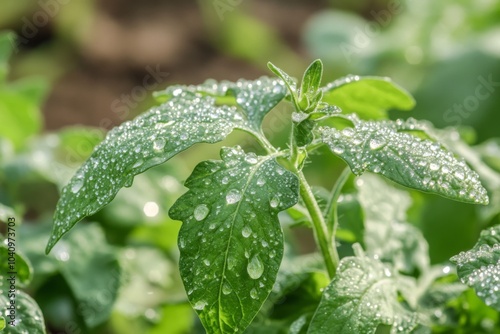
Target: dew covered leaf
{"points": [[231, 242], [28, 317], [368, 97], [479, 267], [386, 148], [154, 137], [255, 97], [362, 296], [387, 234]]}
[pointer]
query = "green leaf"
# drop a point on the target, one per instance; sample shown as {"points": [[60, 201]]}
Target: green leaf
{"points": [[255, 97], [479, 267], [385, 147], [147, 269], [310, 85], [362, 296], [231, 241], [289, 82], [86, 262], [20, 114], [14, 263], [27, 318], [387, 234], [88, 252], [153, 138], [369, 97], [351, 226]]}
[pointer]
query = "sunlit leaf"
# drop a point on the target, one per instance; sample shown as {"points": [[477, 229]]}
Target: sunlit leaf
{"points": [[362, 296], [479, 267], [153, 138], [387, 234], [368, 97], [386, 148], [231, 242]]}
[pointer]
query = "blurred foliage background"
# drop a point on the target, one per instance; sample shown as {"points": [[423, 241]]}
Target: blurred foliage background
{"points": [[80, 67]]}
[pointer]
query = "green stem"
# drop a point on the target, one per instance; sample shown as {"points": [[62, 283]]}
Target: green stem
{"points": [[329, 252], [264, 142], [331, 209]]}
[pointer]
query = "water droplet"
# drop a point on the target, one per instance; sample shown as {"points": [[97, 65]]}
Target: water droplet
{"points": [[298, 117], [226, 289], [377, 143], [459, 174], [138, 163], [275, 201], [206, 262], [77, 185], [159, 144], [200, 305], [246, 231], [254, 294], [231, 263], [201, 212], [261, 181], [251, 158], [255, 267], [433, 166], [233, 196], [348, 132], [338, 150]]}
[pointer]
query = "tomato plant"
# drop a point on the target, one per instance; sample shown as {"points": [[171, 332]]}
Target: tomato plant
{"points": [[373, 272]]}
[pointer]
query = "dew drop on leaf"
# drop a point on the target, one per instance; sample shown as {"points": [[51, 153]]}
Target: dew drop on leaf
{"points": [[338, 150], [377, 143], [261, 182], [433, 166], [77, 185], [138, 163], [255, 267], [254, 294], [226, 289], [233, 196], [246, 231], [200, 305], [251, 158], [201, 212], [159, 144], [275, 201]]}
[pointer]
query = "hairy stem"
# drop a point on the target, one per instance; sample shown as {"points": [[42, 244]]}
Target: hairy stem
{"points": [[331, 209], [321, 234]]}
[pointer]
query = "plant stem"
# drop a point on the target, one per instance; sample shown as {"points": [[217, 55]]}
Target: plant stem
{"points": [[321, 234], [331, 209]]}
